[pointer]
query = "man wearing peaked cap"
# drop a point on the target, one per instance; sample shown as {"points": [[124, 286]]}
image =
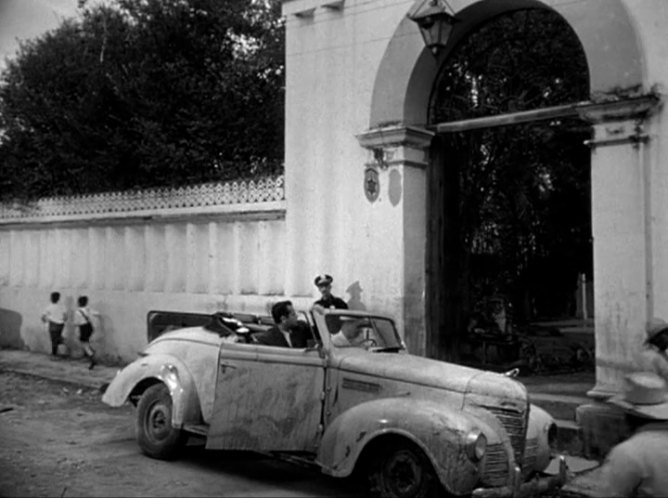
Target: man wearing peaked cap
{"points": [[639, 465], [654, 357], [328, 300]]}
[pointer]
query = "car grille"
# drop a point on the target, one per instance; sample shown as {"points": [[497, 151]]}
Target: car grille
{"points": [[496, 471], [496, 466], [513, 422], [530, 457]]}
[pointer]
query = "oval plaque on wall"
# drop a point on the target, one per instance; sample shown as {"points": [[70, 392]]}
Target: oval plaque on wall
{"points": [[371, 184]]}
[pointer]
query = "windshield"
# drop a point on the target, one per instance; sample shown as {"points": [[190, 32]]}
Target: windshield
{"points": [[353, 331]]}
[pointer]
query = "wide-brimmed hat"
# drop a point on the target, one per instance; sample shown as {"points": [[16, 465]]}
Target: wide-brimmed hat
{"points": [[327, 279], [655, 326], [645, 396]]}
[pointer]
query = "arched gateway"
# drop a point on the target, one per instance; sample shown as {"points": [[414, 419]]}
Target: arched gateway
{"points": [[401, 94], [361, 68]]}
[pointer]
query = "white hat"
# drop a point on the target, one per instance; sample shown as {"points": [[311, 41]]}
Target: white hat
{"points": [[646, 396]]}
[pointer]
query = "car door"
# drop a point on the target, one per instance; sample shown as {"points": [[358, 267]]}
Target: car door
{"points": [[267, 398]]}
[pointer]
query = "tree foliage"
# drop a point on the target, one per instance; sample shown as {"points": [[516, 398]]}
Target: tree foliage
{"points": [[520, 224], [144, 93]]}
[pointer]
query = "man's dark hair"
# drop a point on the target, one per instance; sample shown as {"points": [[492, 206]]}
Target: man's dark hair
{"points": [[55, 297], [83, 300], [279, 310]]}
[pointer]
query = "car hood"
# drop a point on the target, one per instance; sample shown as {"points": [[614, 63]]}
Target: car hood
{"points": [[426, 372], [188, 334]]}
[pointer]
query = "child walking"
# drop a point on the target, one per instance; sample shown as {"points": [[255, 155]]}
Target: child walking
{"points": [[54, 316], [82, 319]]}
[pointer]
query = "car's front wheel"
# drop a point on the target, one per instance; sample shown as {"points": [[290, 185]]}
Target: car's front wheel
{"points": [[155, 434], [401, 470]]}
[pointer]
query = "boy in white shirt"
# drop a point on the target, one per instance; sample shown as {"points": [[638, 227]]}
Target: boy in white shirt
{"points": [[82, 319], [54, 316]]}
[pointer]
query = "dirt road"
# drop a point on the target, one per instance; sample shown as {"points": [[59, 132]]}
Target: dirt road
{"points": [[62, 441]]}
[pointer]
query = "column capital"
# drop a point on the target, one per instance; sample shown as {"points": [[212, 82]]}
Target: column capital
{"points": [[396, 145], [395, 136]]}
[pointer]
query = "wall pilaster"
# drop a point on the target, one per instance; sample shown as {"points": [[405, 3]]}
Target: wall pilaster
{"points": [[397, 161], [621, 227]]}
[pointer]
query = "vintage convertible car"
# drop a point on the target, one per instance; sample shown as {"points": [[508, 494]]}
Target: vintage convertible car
{"points": [[413, 426]]}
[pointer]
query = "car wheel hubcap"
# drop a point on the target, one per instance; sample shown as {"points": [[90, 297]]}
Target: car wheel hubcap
{"points": [[158, 422], [404, 474]]}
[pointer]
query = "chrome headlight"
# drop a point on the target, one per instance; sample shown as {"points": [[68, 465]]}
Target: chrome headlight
{"points": [[476, 445]]}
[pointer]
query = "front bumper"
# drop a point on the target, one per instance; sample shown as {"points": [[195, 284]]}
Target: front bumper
{"points": [[519, 488]]}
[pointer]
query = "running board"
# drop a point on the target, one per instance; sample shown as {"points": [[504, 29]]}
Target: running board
{"points": [[199, 429], [305, 460]]}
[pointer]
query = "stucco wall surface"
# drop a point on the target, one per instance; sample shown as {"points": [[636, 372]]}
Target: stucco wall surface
{"points": [[129, 267], [651, 22], [332, 62]]}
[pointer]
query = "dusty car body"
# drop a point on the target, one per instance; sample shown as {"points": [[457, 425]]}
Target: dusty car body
{"points": [[415, 425]]}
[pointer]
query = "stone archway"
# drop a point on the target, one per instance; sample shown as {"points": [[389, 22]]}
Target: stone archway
{"points": [[494, 231], [407, 70], [620, 102]]}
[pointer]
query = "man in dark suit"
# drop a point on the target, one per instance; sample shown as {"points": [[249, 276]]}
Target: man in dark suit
{"points": [[288, 332]]}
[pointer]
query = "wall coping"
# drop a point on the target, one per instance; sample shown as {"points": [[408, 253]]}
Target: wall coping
{"points": [[241, 197]]}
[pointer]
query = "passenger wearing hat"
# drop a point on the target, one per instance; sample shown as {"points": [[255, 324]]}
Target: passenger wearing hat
{"points": [[639, 465], [351, 333], [654, 357], [328, 300]]}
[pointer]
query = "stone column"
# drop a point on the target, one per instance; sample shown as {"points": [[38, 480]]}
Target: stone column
{"points": [[397, 160], [621, 228]]}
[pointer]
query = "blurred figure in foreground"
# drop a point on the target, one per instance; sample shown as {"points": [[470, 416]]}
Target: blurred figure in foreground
{"points": [[654, 357], [638, 467]]}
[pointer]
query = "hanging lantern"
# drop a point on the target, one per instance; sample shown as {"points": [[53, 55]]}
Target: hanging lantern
{"points": [[435, 19]]}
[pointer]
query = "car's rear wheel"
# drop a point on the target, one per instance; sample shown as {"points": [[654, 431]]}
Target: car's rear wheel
{"points": [[401, 470], [155, 434]]}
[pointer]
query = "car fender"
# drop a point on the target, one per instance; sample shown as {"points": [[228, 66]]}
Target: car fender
{"points": [[437, 429], [537, 435], [137, 376]]}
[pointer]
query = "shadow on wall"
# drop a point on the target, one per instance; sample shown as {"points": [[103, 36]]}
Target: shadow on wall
{"points": [[103, 344], [355, 301], [10, 329], [71, 332]]}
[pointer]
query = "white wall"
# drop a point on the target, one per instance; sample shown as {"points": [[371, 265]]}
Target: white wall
{"points": [[225, 257], [332, 62]]}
